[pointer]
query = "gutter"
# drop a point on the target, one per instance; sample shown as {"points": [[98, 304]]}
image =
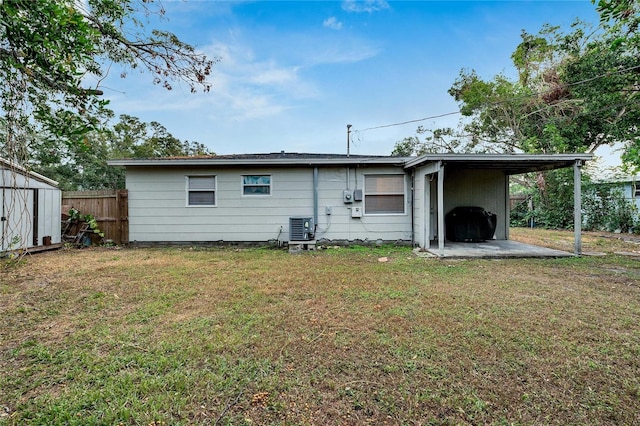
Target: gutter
{"points": [[497, 158], [394, 161]]}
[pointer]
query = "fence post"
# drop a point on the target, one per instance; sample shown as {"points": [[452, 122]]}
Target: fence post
{"points": [[122, 198], [118, 218]]}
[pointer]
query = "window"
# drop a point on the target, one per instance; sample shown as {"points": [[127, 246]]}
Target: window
{"points": [[201, 190], [256, 185], [384, 194]]}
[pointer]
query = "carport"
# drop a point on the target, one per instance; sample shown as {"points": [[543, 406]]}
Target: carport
{"points": [[442, 182]]}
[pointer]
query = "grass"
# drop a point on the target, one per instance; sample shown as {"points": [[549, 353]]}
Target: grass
{"points": [[255, 336]]}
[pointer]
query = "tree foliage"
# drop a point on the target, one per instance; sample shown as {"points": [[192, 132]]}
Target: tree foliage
{"points": [[553, 199], [573, 94], [576, 90], [437, 140], [50, 48], [624, 44], [84, 166]]}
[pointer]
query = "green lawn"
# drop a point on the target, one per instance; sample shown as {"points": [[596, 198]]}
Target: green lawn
{"points": [[333, 337]]}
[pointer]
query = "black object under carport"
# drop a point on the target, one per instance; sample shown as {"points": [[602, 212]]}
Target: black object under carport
{"points": [[470, 224]]}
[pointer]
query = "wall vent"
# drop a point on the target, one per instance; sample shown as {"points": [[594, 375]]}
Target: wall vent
{"points": [[300, 228]]}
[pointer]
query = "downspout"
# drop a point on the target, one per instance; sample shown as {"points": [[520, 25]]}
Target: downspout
{"points": [[348, 176], [413, 210], [315, 198], [3, 218]]}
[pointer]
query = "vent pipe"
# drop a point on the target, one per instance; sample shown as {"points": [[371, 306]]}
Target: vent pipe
{"points": [[348, 154]]}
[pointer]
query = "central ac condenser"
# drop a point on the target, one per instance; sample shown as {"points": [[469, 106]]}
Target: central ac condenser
{"points": [[301, 228]]}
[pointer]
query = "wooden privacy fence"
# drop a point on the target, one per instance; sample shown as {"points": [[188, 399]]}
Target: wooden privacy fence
{"points": [[109, 207]]}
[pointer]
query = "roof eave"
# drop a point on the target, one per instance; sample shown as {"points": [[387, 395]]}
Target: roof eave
{"points": [[397, 161]]}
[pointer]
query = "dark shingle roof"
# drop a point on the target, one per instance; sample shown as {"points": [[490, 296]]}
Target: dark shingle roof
{"points": [[276, 156]]}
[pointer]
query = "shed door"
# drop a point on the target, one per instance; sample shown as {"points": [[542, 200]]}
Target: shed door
{"points": [[17, 219]]}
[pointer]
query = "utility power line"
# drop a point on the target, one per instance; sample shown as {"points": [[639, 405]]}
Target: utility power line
{"points": [[535, 94]]}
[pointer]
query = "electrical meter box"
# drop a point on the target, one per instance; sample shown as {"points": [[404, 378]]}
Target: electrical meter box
{"points": [[347, 196]]}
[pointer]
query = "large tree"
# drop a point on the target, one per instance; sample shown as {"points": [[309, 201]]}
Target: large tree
{"points": [[84, 166], [575, 91], [48, 50], [624, 44]]}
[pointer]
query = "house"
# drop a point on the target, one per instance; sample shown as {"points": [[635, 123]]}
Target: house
{"points": [[30, 215], [630, 188], [613, 204], [348, 198]]}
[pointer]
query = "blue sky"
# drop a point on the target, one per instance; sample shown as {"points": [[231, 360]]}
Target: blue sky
{"points": [[292, 75]]}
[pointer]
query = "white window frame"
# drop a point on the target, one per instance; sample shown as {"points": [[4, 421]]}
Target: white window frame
{"points": [[368, 193], [243, 185], [190, 190]]}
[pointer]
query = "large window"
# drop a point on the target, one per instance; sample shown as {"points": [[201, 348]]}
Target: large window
{"points": [[201, 190], [384, 194], [256, 185]]}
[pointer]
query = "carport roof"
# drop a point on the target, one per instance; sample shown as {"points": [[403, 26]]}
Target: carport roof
{"points": [[511, 163]]}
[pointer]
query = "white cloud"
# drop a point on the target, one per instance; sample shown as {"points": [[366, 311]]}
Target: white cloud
{"points": [[247, 105], [254, 80], [241, 66], [247, 86], [332, 23], [347, 51], [359, 6], [272, 74]]}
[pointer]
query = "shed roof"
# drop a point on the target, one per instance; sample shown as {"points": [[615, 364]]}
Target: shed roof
{"points": [[9, 165]]}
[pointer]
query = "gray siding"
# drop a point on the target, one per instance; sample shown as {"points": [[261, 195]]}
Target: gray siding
{"points": [[483, 188], [341, 226], [158, 210]]}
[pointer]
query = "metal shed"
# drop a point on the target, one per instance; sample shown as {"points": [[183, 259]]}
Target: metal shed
{"points": [[31, 210]]}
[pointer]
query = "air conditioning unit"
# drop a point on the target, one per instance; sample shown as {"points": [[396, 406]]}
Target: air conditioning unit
{"points": [[300, 228]]}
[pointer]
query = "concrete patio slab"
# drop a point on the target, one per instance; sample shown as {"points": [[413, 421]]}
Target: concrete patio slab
{"points": [[495, 249]]}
